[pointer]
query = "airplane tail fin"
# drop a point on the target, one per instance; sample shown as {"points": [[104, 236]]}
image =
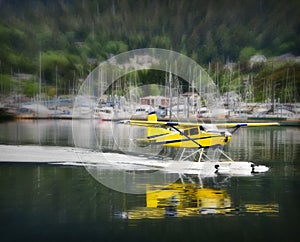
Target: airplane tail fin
{"points": [[154, 132], [152, 116]]}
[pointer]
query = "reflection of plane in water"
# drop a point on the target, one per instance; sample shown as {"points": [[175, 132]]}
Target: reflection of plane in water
{"points": [[200, 137], [181, 200]]}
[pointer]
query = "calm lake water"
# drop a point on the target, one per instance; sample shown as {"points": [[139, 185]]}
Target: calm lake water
{"points": [[41, 202]]}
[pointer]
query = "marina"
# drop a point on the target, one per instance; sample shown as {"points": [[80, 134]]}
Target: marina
{"points": [[286, 115]]}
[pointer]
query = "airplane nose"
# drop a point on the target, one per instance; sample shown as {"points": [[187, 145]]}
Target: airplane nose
{"points": [[227, 133], [227, 136]]}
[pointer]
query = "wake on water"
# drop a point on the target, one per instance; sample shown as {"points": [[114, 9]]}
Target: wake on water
{"points": [[71, 156]]}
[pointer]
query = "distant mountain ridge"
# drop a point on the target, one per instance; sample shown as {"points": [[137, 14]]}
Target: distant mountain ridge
{"points": [[73, 35]]}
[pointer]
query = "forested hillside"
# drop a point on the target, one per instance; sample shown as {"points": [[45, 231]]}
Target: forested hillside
{"points": [[74, 35]]}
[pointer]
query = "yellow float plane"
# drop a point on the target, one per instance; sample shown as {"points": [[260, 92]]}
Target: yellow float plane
{"points": [[189, 135], [194, 136]]}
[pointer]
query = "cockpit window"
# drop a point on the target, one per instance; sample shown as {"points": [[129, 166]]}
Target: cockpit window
{"points": [[194, 131]]}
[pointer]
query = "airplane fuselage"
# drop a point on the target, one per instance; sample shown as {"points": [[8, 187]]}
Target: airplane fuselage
{"points": [[191, 138]]}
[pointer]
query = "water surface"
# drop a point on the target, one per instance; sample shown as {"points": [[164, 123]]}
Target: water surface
{"points": [[63, 203]]}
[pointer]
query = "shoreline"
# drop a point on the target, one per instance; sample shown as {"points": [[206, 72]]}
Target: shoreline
{"points": [[281, 121]]}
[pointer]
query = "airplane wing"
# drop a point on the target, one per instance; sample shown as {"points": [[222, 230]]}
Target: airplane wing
{"points": [[182, 125], [236, 126], [233, 125], [152, 122]]}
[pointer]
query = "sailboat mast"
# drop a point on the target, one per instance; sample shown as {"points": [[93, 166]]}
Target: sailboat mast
{"points": [[170, 88], [40, 77]]}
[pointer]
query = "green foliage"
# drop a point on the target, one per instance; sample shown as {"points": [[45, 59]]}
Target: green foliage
{"points": [[30, 88], [116, 47], [5, 83], [161, 42], [246, 53], [281, 82], [56, 63], [154, 90], [71, 33]]}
